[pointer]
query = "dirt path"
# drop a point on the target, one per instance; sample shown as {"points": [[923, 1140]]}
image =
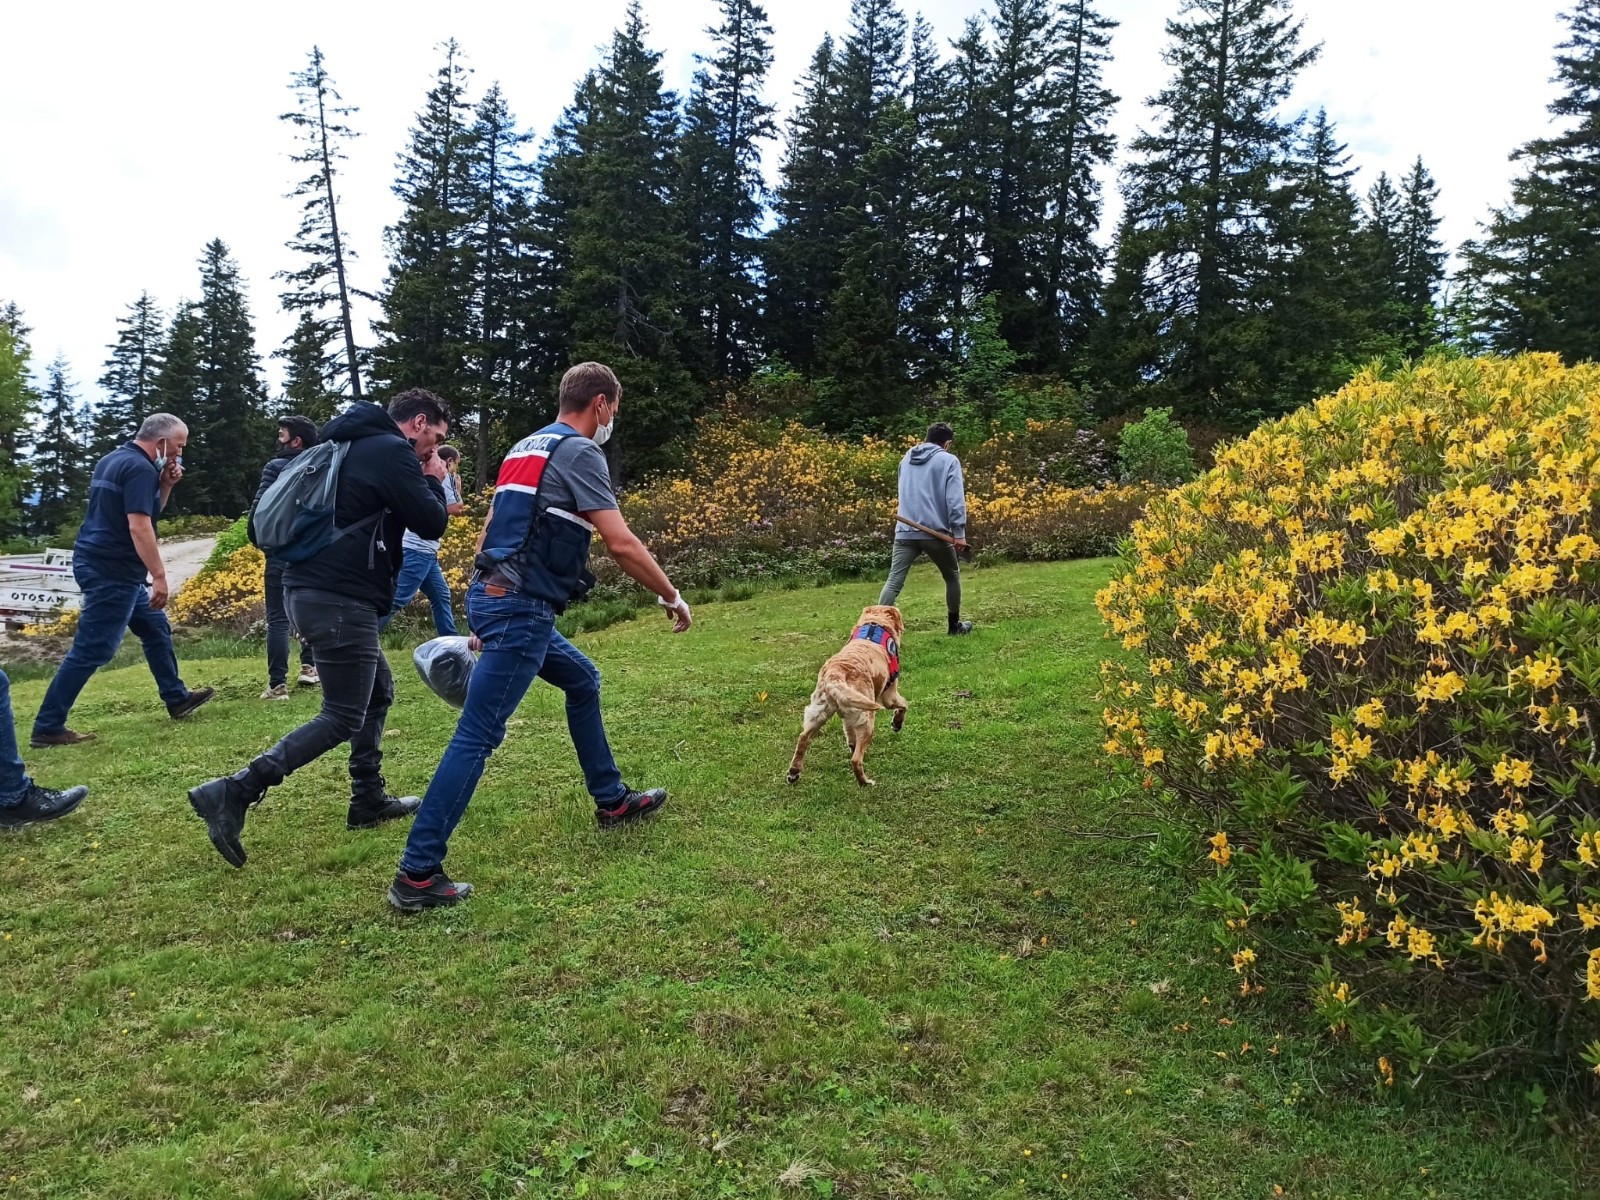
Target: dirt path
{"points": [[184, 559]]}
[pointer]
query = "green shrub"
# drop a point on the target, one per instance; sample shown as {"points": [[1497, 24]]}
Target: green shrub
{"points": [[1155, 450], [234, 537]]}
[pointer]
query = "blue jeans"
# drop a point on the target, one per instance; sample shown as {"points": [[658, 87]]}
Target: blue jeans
{"points": [[111, 607], [14, 781], [519, 642], [420, 572]]}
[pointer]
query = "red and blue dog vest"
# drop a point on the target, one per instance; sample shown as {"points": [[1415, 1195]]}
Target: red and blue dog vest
{"points": [[880, 635]]}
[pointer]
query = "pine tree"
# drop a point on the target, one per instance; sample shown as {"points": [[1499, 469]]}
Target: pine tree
{"points": [[427, 328], [59, 469], [323, 282], [229, 432], [1078, 147], [628, 251], [312, 376], [1421, 262], [1537, 268], [176, 389], [801, 256], [1322, 314], [129, 381], [929, 98], [19, 404], [725, 121], [1195, 257], [498, 176]]}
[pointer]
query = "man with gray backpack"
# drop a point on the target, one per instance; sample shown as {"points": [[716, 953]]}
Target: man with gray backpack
{"points": [[336, 514]]}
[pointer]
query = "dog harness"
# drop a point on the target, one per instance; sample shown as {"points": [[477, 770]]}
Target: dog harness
{"points": [[880, 635]]}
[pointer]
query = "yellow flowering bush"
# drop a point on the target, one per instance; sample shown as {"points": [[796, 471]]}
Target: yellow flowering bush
{"points": [[1366, 667], [229, 593]]}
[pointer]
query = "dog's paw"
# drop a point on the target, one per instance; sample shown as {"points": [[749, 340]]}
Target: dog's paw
{"points": [[865, 782], [794, 776]]}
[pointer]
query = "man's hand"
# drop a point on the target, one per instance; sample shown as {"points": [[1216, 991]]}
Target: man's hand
{"points": [[172, 473], [960, 543], [158, 592], [433, 467], [678, 611]]}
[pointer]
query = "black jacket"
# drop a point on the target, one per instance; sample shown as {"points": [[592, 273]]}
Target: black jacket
{"points": [[269, 476], [380, 474]]}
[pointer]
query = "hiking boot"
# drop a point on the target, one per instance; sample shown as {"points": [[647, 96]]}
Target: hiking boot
{"points": [[195, 698], [41, 804], [437, 890], [370, 813], [222, 805], [62, 737], [959, 627], [633, 806], [278, 691], [309, 676]]}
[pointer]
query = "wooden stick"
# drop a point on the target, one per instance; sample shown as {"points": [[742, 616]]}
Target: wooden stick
{"points": [[943, 537]]}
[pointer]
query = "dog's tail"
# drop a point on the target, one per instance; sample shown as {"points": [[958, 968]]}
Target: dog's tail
{"points": [[839, 696]]}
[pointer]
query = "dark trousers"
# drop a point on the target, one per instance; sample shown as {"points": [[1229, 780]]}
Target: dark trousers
{"points": [[279, 628], [111, 607], [357, 690], [943, 554]]}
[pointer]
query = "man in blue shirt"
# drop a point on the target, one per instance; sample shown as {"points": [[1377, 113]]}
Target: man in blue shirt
{"points": [[115, 549]]}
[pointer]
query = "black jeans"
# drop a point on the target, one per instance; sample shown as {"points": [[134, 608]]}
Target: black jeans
{"points": [[357, 690], [279, 628]]}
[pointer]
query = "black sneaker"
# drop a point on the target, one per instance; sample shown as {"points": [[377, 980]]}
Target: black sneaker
{"points": [[438, 890], [633, 806], [222, 805], [367, 814], [958, 628], [196, 697], [40, 804]]}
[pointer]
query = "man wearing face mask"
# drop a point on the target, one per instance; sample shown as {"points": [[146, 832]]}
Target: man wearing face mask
{"points": [[552, 494], [115, 550], [389, 482]]}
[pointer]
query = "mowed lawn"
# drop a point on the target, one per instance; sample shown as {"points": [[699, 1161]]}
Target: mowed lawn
{"points": [[936, 987]]}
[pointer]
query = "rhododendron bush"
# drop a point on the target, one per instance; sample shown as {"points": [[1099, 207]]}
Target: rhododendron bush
{"points": [[1366, 672]]}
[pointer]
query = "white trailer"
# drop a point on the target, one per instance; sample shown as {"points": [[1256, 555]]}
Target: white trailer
{"points": [[36, 588]]}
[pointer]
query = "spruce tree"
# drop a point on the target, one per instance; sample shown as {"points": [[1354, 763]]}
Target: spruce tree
{"points": [[59, 469], [176, 388], [628, 251], [1421, 262], [129, 381], [312, 376], [720, 195], [19, 404], [1195, 258], [498, 176], [1536, 270], [427, 328], [321, 287], [229, 431]]}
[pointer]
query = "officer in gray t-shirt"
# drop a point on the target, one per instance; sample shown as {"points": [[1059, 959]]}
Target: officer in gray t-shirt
{"points": [[420, 570], [513, 624]]}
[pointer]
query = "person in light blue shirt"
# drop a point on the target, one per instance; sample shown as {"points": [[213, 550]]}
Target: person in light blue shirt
{"points": [[932, 493], [420, 570]]}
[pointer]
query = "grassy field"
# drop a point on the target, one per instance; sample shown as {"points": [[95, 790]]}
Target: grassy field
{"points": [[938, 987]]}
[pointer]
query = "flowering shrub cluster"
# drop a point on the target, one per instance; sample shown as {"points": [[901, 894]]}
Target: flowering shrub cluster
{"points": [[764, 499], [1368, 669]]}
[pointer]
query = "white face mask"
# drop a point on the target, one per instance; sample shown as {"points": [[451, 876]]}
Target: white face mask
{"points": [[161, 461], [602, 433]]}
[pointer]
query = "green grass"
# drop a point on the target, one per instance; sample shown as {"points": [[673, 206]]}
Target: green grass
{"points": [[766, 979]]}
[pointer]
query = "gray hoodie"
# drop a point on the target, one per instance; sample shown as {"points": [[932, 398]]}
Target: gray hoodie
{"points": [[932, 492]]}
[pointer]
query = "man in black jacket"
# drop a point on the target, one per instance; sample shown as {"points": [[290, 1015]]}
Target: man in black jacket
{"points": [[390, 481], [294, 435]]}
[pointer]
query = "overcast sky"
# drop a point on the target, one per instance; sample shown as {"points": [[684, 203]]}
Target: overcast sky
{"points": [[134, 133]]}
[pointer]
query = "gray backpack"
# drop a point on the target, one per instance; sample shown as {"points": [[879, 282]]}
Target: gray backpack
{"points": [[293, 520]]}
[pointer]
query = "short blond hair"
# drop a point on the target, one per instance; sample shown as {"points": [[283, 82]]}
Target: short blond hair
{"points": [[583, 382]]}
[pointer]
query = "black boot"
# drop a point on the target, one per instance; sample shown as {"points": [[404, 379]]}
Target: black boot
{"points": [[371, 805], [222, 804], [958, 626]]}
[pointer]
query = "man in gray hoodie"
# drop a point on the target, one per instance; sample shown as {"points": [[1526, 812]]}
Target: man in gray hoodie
{"points": [[932, 493]]}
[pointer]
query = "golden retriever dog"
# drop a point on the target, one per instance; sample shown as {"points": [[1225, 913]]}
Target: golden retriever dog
{"points": [[857, 683]]}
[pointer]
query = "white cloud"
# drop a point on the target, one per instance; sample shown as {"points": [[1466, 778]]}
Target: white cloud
{"points": [[135, 133]]}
